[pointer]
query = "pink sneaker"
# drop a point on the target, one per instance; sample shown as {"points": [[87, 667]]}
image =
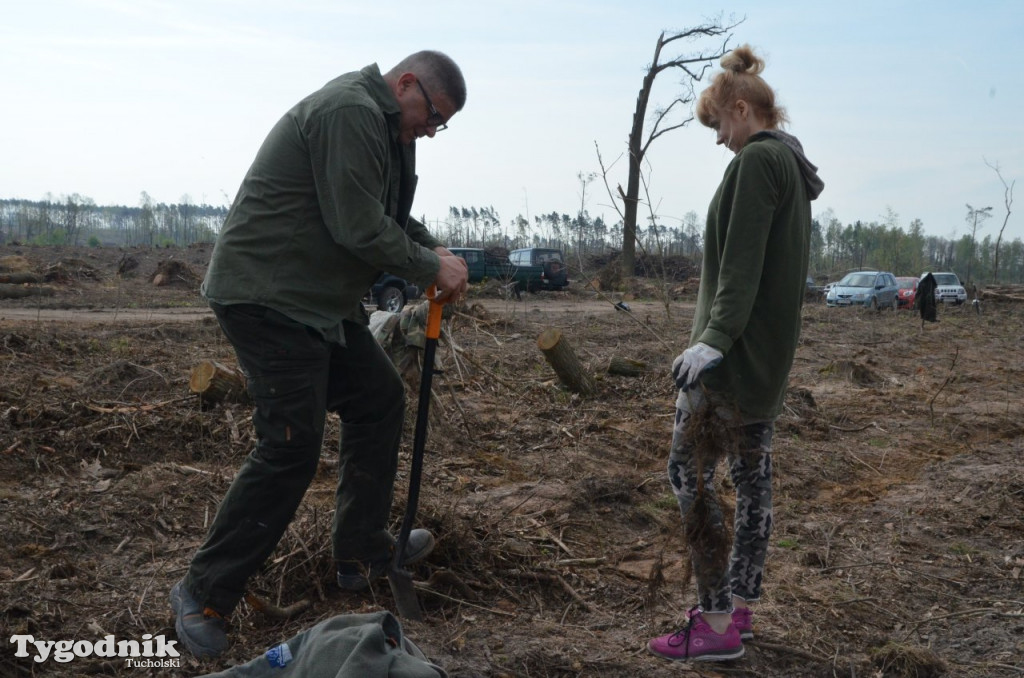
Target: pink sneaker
{"points": [[743, 620], [698, 642]]}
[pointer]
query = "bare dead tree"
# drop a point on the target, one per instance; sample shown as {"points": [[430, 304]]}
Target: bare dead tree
{"points": [[663, 287], [1008, 202], [581, 217], [693, 67], [975, 217]]}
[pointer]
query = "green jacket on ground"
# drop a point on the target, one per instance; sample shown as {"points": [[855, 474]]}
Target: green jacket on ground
{"points": [[756, 249], [346, 646], [324, 209]]}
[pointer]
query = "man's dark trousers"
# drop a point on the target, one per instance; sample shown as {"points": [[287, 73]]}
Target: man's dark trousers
{"points": [[295, 376]]}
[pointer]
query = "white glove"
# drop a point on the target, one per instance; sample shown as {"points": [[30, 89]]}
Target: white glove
{"points": [[691, 363]]}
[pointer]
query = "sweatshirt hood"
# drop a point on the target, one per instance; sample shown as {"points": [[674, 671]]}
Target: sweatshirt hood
{"points": [[808, 169]]}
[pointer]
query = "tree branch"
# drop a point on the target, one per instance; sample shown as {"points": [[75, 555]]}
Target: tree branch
{"points": [[604, 178], [1008, 201]]}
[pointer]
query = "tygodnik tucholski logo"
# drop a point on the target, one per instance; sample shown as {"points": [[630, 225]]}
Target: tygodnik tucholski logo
{"points": [[150, 652]]}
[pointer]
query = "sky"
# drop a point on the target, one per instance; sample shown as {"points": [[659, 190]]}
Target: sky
{"points": [[905, 107]]}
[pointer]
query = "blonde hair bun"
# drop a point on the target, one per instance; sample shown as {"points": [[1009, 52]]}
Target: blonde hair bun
{"points": [[743, 60], [740, 78]]}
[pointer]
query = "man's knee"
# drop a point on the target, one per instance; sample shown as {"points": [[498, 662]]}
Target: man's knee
{"points": [[392, 388], [386, 401]]}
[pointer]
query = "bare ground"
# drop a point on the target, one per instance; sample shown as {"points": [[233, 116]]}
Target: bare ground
{"points": [[899, 541]]}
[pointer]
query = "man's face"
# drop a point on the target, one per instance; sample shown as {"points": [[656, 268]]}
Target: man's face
{"points": [[423, 112]]}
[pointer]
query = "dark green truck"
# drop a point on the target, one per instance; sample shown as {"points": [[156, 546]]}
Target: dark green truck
{"points": [[531, 268]]}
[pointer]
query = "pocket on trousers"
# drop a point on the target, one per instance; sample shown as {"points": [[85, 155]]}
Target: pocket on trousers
{"points": [[285, 407]]}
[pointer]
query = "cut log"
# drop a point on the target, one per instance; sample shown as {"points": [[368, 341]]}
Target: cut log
{"points": [[626, 367], [9, 291], [1007, 294], [559, 354], [215, 382], [20, 278]]}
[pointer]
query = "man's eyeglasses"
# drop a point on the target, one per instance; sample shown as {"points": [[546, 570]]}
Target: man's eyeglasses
{"points": [[435, 119]]}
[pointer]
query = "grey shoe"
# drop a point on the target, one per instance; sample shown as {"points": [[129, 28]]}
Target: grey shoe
{"points": [[201, 630], [356, 575]]}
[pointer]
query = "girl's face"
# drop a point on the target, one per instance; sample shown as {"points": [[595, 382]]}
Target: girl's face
{"points": [[735, 126]]}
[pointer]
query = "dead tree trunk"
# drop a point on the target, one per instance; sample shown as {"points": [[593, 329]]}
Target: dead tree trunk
{"points": [[1008, 201], [693, 67], [215, 382], [563, 360], [1009, 294]]}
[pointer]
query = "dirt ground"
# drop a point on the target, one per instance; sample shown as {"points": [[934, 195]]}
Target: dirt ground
{"points": [[899, 491]]}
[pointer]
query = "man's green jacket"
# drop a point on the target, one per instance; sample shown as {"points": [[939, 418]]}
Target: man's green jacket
{"points": [[324, 209]]}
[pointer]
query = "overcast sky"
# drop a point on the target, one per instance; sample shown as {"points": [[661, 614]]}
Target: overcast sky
{"points": [[900, 104]]}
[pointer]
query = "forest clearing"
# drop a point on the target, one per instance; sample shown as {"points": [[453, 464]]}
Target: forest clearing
{"points": [[899, 491]]}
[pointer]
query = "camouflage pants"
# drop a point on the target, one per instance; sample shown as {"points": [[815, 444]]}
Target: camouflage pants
{"points": [[750, 467]]}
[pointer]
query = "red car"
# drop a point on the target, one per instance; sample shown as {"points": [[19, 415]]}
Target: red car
{"points": [[907, 293]]}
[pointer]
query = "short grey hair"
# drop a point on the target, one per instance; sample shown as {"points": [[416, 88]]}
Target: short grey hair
{"points": [[437, 71]]}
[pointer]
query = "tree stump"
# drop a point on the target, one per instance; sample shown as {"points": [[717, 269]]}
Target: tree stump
{"points": [[626, 367], [215, 382], [559, 354]]}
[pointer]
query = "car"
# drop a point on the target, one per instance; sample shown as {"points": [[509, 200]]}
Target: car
{"points": [[948, 289], [812, 290], [870, 289], [482, 265], [546, 265], [390, 293], [907, 292]]}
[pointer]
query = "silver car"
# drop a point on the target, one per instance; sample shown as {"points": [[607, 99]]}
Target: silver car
{"points": [[948, 289], [870, 289]]}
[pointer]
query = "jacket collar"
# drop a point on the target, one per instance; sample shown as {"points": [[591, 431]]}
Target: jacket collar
{"points": [[381, 92]]}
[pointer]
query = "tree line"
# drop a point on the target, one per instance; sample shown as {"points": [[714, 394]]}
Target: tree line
{"points": [[78, 220], [835, 247]]}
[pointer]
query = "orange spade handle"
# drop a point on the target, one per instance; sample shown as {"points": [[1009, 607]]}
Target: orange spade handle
{"points": [[433, 315]]}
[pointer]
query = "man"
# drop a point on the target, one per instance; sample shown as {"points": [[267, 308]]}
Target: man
{"points": [[323, 209]]}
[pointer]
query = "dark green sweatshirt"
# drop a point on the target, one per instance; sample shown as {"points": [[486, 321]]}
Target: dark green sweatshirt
{"points": [[323, 209], [370, 645], [756, 247]]}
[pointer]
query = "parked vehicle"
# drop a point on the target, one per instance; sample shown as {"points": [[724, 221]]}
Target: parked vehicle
{"points": [[907, 292], [546, 268], [529, 268], [813, 290], [948, 289], [482, 265], [871, 289], [390, 293]]}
